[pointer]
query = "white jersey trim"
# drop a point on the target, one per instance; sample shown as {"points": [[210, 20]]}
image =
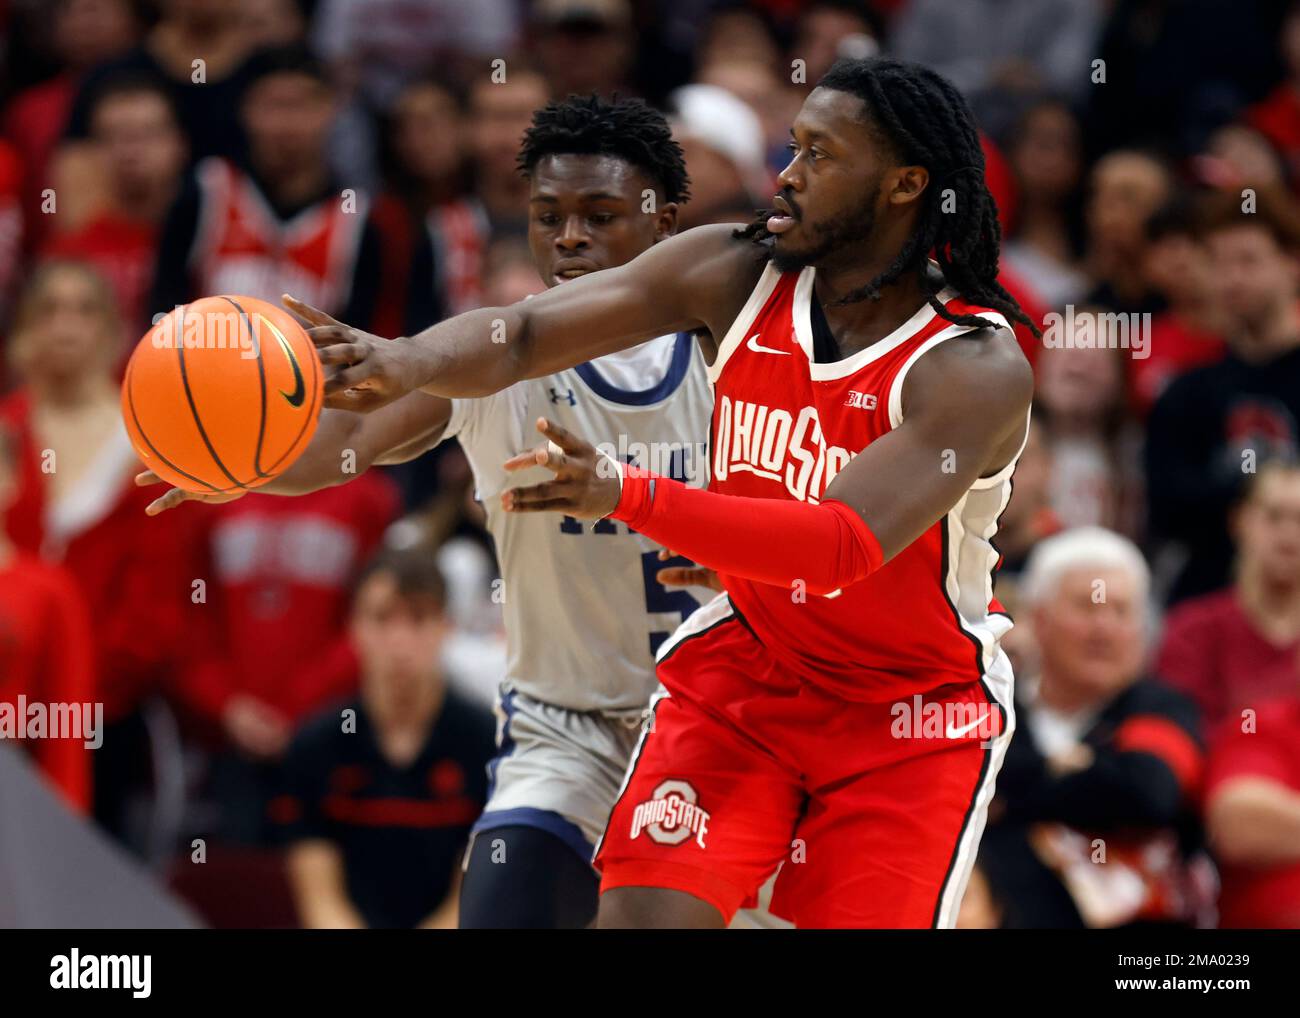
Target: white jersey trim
{"points": [[854, 362], [736, 334], [998, 683]]}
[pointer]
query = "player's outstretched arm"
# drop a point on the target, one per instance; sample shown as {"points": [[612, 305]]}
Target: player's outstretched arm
{"points": [[346, 444], [680, 284], [965, 409]]}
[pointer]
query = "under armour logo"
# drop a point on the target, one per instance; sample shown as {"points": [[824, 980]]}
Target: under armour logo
{"points": [[557, 396]]}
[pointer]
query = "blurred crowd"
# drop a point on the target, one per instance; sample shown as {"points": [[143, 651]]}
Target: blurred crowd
{"points": [[361, 154]]}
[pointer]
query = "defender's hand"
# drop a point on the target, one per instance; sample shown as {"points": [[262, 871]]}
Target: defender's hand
{"points": [[585, 485], [176, 496], [686, 576], [362, 372]]}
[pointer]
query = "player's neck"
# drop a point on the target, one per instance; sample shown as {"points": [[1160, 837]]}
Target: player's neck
{"points": [[857, 325]]}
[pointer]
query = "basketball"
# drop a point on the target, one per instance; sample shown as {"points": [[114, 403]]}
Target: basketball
{"points": [[222, 394]]}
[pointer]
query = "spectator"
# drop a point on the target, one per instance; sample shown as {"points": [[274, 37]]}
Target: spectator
{"points": [[830, 29], [1094, 821], [1188, 333], [83, 34], [134, 123], [428, 218], [1096, 475], [766, 93], [1002, 52], [273, 22], [381, 795], [1126, 188], [280, 225], [196, 51], [1046, 154], [1216, 423], [499, 113], [584, 46], [267, 647], [1168, 81], [1240, 646], [1277, 117], [1252, 817], [723, 142], [381, 45], [46, 651], [76, 505]]}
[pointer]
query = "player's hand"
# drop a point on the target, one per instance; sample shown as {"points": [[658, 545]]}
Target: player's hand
{"points": [[176, 496], [362, 372], [584, 486], [686, 576]]}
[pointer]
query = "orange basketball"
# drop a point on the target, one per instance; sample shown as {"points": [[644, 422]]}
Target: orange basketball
{"points": [[222, 394]]}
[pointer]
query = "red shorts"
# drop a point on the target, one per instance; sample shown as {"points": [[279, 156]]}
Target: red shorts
{"points": [[872, 811]]}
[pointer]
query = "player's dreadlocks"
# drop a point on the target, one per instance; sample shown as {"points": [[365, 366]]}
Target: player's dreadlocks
{"points": [[929, 124], [627, 129]]}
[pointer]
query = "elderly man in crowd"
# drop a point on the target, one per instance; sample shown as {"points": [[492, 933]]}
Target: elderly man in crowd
{"points": [[1094, 822]]}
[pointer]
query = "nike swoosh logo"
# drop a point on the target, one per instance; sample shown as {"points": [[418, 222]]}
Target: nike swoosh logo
{"points": [[754, 345], [294, 399], [957, 733]]}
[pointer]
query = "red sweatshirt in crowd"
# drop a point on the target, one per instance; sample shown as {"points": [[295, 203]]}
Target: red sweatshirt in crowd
{"points": [[277, 574], [126, 564], [46, 655]]}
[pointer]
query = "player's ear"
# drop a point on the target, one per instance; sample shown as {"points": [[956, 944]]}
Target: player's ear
{"points": [[909, 183], [666, 221]]}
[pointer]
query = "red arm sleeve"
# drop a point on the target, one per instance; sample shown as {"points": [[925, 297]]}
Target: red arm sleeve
{"points": [[827, 546]]}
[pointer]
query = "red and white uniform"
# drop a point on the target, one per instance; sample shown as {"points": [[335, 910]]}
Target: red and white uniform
{"points": [[243, 247], [794, 730]]}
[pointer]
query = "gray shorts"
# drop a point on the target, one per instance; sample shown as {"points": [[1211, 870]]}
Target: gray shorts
{"points": [[557, 769]]}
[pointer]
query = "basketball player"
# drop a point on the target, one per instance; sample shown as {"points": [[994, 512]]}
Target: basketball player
{"points": [[584, 610], [870, 408]]}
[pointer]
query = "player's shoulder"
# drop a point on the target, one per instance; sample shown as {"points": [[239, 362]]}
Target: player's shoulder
{"points": [[717, 253], [984, 365]]}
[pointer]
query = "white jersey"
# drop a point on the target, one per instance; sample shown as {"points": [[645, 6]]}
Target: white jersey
{"points": [[584, 614]]}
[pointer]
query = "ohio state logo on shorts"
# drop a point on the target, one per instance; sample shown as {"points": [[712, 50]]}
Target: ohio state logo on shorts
{"points": [[672, 815]]}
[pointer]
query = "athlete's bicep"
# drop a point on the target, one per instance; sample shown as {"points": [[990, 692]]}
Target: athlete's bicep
{"points": [[965, 420]]}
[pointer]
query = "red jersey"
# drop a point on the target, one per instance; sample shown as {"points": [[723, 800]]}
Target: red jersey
{"points": [[783, 427], [243, 247]]}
